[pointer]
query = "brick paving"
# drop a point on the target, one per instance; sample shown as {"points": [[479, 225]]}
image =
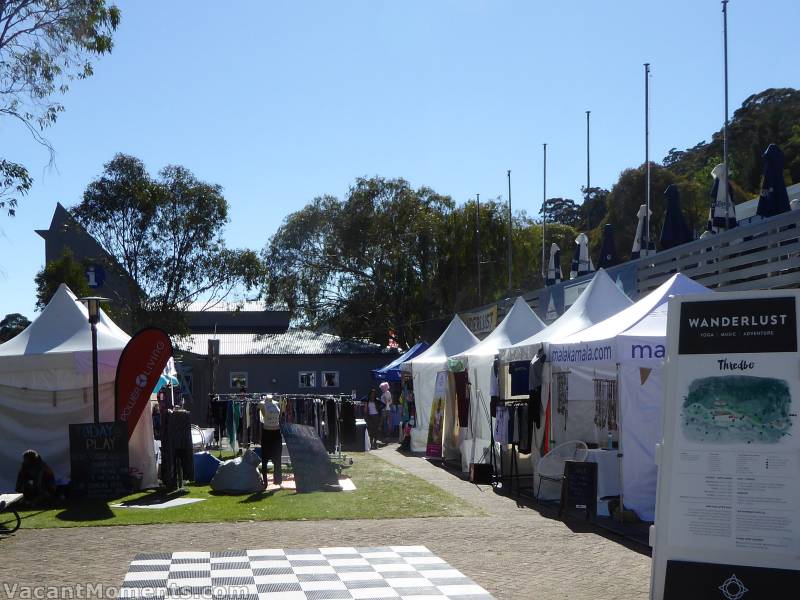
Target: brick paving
{"points": [[514, 551]]}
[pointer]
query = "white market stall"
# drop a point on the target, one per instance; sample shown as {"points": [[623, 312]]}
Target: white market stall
{"points": [[520, 323], [46, 384], [423, 369], [600, 299], [621, 358]]}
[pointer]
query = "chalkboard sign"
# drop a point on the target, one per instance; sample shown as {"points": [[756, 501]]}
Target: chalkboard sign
{"points": [[98, 455], [311, 464], [579, 488]]}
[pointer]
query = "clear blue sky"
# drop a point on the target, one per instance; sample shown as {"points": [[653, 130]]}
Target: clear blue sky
{"points": [[282, 101]]}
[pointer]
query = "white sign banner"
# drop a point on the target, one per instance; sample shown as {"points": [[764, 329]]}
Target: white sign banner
{"points": [[728, 507]]}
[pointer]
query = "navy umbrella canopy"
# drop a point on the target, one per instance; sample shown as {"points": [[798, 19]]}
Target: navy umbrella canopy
{"points": [[675, 231], [608, 251], [773, 199]]}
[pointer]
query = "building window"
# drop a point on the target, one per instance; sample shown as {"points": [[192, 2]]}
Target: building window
{"points": [[330, 379], [238, 380], [307, 379]]}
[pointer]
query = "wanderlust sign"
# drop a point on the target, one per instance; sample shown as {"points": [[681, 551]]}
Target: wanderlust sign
{"points": [[728, 507], [140, 366], [738, 326], [481, 322]]}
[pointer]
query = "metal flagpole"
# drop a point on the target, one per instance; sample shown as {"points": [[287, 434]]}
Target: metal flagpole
{"points": [[478, 230], [510, 226], [647, 155], [544, 213], [725, 125], [588, 184]]}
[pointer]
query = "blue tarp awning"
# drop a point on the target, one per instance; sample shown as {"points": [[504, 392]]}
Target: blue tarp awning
{"points": [[391, 372]]}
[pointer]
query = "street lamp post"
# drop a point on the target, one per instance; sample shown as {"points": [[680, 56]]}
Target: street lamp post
{"points": [[93, 306]]}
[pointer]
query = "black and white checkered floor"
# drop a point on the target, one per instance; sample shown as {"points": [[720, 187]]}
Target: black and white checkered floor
{"points": [[405, 572]]}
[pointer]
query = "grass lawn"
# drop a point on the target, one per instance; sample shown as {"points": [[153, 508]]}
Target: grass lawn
{"points": [[383, 491]]}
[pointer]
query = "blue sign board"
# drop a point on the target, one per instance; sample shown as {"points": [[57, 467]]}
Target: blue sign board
{"points": [[95, 276]]}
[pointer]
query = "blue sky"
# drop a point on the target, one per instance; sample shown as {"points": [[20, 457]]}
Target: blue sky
{"points": [[282, 101]]}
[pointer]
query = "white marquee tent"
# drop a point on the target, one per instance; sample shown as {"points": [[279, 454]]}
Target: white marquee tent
{"points": [[46, 384], [520, 323], [424, 367], [599, 300], [628, 348]]}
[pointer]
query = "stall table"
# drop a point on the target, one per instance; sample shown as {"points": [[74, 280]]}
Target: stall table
{"points": [[607, 471]]}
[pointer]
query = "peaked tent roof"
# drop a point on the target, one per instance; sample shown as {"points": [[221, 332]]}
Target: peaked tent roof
{"points": [[391, 372], [63, 327], [455, 339], [60, 339], [601, 299], [608, 331], [520, 323]]}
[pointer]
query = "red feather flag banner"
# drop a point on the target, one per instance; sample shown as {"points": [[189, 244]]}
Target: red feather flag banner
{"points": [[141, 364]]}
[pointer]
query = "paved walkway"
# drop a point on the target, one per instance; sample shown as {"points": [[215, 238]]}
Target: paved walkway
{"points": [[514, 552]]}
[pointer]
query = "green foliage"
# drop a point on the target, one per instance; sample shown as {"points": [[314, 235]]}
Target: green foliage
{"points": [[769, 117], [14, 182], [389, 256], [64, 270], [561, 210], [165, 234], [629, 193], [44, 45], [11, 325], [594, 207]]}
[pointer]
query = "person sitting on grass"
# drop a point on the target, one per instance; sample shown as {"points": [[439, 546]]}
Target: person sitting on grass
{"points": [[35, 481]]}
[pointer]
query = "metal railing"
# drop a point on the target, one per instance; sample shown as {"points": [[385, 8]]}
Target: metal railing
{"points": [[759, 255]]}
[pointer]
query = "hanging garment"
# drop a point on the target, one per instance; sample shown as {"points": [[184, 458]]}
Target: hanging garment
{"points": [[535, 406], [462, 399], [519, 371], [524, 425], [537, 366], [513, 425], [501, 425]]}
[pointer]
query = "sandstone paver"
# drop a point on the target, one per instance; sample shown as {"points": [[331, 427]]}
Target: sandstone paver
{"points": [[514, 551]]}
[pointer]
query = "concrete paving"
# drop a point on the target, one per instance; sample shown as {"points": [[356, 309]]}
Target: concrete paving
{"points": [[514, 551]]}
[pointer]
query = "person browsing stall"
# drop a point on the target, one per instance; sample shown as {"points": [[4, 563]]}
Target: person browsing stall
{"points": [[375, 408], [271, 440]]}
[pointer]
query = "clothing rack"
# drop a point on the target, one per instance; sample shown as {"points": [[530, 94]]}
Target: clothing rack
{"points": [[497, 469], [317, 413]]}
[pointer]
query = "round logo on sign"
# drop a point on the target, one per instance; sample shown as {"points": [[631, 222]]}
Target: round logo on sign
{"points": [[141, 380]]}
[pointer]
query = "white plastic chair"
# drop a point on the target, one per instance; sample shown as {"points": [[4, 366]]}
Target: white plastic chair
{"points": [[551, 465]]}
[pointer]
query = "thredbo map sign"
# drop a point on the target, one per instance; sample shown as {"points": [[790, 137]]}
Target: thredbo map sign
{"points": [[99, 459], [728, 508]]}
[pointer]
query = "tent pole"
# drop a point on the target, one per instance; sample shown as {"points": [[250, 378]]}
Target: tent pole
{"points": [[725, 123], [544, 212], [510, 225], [647, 154], [619, 448]]}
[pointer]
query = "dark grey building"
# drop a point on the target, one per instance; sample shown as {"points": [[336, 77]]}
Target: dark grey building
{"points": [[292, 362]]}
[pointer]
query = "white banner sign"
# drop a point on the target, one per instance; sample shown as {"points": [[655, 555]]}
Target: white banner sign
{"points": [[728, 507]]}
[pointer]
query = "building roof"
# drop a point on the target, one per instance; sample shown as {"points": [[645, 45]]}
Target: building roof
{"points": [[298, 342], [227, 306]]}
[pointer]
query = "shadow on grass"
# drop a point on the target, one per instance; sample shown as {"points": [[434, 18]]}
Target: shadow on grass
{"points": [[257, 497], [155, 497], [86, 510]]}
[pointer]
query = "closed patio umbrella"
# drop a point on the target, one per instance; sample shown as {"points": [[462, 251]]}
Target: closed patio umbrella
{"points": [[581, 261], [675, 231], [639, 243], [554, 265], [722, 212], [608, 251], [773, 199]]}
